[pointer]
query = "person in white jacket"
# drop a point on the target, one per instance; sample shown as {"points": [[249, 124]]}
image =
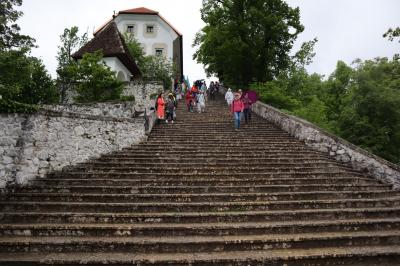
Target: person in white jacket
{"points": [[229, 97], [201, 105]]}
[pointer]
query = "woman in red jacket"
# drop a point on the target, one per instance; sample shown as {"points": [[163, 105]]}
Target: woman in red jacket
{"points": [[237, 109], [160, 106]]}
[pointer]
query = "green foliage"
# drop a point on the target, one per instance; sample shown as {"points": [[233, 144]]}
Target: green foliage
{"points": [[96, 82], [136, 49], [371, 114], [246, 41], [159, 68], [15, 73], [70, 42], [25, 79], [152, 67], [130, 98], [9, 106], [391, 34], [9, 30], [360, 104]]}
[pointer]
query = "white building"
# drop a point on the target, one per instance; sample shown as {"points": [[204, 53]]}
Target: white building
{"points": [[157, 36], [115, 52]]}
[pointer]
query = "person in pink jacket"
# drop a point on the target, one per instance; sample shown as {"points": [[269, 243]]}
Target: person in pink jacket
{"points": [[237, 108]]}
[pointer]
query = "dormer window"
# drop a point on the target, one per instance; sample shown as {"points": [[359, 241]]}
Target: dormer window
{"points": [[150, 29]]}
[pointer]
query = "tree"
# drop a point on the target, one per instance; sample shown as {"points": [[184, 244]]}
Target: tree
{"points": [[338, 86], [9, 31], [391, 34], [136, 50], [25, 79], [246, 40], [152, 67], [41, 88], [371, 115], [70, 42], [95, 81]]}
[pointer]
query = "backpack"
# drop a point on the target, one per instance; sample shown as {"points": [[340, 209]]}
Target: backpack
{"points": [[170, 105]]}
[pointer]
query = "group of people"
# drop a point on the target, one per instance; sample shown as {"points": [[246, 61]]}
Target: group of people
{"points": [[166, 107], [195, 98], [239, 103]]}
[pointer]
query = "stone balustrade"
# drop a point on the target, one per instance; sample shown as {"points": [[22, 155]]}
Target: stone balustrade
{"points": [[320, 140]]}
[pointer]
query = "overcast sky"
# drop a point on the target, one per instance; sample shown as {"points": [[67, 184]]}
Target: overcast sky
{"points": [[346, 29]]}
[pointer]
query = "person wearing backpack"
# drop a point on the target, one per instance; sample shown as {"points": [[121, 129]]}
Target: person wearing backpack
{"points": [[247, 104], [170, 108], [237, 108]]}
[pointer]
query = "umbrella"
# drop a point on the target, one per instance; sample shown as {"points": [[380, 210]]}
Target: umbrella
{"points": [[252, 96]]}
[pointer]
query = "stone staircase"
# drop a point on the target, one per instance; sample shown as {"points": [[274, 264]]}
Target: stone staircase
{"points": [[199, 193]]}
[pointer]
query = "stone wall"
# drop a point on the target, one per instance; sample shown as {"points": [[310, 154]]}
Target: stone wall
{"points": [[109, 109], [33, 145], [142, 90], [11, 128], [337, 148]]}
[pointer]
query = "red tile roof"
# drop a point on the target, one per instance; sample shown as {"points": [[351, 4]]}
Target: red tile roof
{"points": [[112, 44], [141, 11]]}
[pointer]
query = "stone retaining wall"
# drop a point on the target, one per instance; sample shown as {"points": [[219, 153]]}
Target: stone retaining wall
{"points": [[142, 90], [33, 145], [337, 148], [108, 109]]}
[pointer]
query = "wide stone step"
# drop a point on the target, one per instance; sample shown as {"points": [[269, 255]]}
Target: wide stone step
{"points": [[214, 154], [199, 243], [200, 229], [197, 165], [216, 197], [197, 217], [197, 206], [238, 147], [252, 158], [212, 169], [233, 141], [203, 181], [216, 176], [207, 161], [356, 256], [200, 189]]}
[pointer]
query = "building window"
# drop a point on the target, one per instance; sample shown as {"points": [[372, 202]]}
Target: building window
{"points": [[130, 28], [159, 51], [150, 29]]}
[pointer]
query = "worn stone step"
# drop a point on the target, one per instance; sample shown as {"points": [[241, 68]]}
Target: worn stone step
{"points": [[198, 243], [225, 162], [196, 217], [355, 256], [198, 170], [231, 142], [215, 154], [216, 197], [203, 181], [235, 148], [152, 158], [200, 229], [201, 189], [183, 176], [198, 206]]}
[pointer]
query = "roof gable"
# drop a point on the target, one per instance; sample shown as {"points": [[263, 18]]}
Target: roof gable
{"points": [[140, 11], [112, 44]]}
